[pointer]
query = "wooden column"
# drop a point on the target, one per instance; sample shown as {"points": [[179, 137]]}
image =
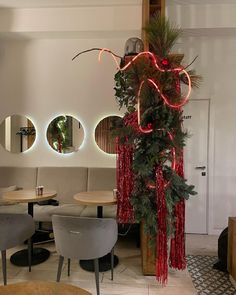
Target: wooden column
{"points": [[150, 7], [148, 254], [231, 260]]}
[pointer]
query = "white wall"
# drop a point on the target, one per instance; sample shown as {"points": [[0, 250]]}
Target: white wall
{"points": [[216, 63], [38, 78], [82, 19], [203, 15]]}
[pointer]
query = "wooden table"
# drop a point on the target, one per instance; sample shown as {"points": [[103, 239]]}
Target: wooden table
{"points": [[28, 196], [39, 255], [41, 288], [98, 199]]}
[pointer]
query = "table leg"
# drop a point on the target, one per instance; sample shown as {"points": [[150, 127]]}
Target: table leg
{"points": [[38, 255], [31, 209], [99, 212]]}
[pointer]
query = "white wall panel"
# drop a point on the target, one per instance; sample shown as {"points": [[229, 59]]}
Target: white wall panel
{"points": [[216, 63]]}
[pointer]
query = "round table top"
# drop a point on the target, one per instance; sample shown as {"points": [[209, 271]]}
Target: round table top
{"points": [[28, 196], [41, 288], [96, 198]]}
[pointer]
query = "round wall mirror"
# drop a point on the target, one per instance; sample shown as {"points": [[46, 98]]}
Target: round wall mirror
{"points": [[65, 134], [17, 133], [103, 134]]}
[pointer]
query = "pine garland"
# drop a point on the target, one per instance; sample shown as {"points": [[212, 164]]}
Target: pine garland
{"points": [[153, 150]]}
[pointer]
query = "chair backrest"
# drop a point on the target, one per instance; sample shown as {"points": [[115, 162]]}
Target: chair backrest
{"points": [[15, 229], [83, 237]]}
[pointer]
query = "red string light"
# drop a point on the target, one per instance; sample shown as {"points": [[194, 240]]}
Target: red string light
{"points": [[144, 53], [166, 99], [164, 69]]}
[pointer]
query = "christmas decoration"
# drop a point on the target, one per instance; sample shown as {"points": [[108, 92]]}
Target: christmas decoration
{"points": [[148, 86], [150, 140]]}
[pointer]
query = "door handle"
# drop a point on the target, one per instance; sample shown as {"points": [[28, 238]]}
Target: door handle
{"points": [[200, 167]]}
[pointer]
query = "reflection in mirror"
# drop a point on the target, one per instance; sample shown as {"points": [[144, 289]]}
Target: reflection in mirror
{"points": [[103, 134], [17, 133], [65, 134]]}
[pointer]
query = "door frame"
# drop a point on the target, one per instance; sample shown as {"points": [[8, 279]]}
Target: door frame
{"points": [[211, 230], [209, 163], [211, 171]]}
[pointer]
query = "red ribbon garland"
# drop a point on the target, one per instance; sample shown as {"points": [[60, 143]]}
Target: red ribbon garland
{"points": [[132, 120], [124, 173], [125, 183], [161, 258], [177, 246], [177, 257]]}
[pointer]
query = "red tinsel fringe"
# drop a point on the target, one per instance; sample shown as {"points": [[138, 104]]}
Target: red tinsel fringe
{"points": [[125, 183], [132, 120], [161, 258], [177, 257], [177, 247]]}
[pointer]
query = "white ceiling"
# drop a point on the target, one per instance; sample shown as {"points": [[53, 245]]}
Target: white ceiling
{"points": [[63, 3]]}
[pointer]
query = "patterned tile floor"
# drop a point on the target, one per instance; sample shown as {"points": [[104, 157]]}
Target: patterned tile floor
{"points": [[206, 279]]}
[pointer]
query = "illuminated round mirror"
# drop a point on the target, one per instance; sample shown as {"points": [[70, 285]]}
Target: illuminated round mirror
{"points": [[65, 134], [103, 134], [17, 133]]}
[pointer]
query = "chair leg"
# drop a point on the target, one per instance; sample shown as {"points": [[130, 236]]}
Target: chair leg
{"points": [[68, 273], [40, 225], [112, 263], [30, 249], [60, 264], [4, 266], [96, 268]]}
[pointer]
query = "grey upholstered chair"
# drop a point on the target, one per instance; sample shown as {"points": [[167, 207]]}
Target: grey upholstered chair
{"points": [[84, 238], [14, 229]]}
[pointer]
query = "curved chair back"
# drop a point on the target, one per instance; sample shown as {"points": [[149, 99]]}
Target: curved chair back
{"points": [[84, 238], [15, 229]]}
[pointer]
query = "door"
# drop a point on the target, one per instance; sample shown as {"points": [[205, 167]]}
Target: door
{"points": [[196, 114]]}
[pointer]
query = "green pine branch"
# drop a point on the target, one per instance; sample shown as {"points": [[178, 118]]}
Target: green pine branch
{"points": [[162, 35]]}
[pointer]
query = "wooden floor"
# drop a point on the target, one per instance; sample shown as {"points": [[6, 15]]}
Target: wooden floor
{"points": [[128, 278]]}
